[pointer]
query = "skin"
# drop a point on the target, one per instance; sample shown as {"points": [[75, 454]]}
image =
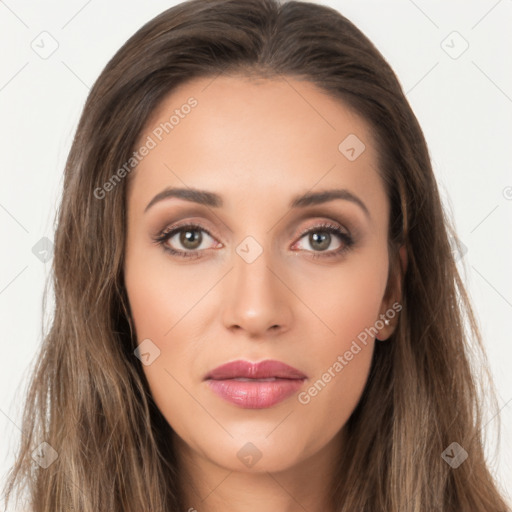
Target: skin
{"points": [[257, 143]]}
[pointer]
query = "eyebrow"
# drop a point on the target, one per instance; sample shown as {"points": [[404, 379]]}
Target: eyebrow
{"points": [[214, 200]]}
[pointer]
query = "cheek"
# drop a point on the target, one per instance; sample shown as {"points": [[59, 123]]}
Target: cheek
{"points": [[345, 299], [355, 301], [348, 305], [162, 293], [167, 309]]}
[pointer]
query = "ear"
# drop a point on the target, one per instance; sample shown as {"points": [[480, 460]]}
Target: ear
{"points": [[392, 301]]}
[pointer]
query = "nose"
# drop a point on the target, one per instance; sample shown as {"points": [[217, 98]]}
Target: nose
{"points": [[257, 299]]}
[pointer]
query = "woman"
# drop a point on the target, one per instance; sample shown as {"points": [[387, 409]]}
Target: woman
{"points": [[257, 306]]}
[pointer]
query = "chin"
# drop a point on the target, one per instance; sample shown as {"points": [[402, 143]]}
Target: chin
{"points": [[255, 454]]}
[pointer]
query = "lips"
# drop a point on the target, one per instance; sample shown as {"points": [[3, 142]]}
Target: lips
{"points": [[255, 385], [268, 370]]}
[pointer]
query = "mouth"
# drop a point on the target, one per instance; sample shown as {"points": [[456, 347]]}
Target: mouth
{"points": [[255, 386]]}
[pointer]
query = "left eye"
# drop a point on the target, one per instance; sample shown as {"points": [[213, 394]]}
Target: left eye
{"points": [[190, 237], [320, 238]]}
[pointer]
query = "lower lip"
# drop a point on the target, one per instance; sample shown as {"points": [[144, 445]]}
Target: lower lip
{"points": [[256, 394]]}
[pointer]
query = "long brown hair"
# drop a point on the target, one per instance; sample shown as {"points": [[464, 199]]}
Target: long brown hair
{"points": [[88, 398]]}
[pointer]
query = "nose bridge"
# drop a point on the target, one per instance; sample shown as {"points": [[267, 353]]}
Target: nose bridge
{"points": [[257, 300]]}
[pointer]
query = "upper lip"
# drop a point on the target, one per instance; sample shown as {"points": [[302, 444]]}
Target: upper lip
{"points": [[262, 370]]}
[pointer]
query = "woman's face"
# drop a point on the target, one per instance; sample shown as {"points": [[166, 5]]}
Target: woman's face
{"points": [[265, 274]]}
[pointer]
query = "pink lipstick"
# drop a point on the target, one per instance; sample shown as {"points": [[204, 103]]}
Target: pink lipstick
{"points": [[255, 385]]}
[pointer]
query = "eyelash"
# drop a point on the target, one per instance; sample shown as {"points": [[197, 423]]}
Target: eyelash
{"points": [[166, 234]]}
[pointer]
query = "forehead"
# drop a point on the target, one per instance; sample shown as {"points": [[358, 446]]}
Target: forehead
{"points": [[252, 138]]}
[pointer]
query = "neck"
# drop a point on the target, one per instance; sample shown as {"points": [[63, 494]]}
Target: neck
{"points": [[209, 487]]}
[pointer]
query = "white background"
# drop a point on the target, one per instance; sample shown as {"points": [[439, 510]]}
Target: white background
{"points": [[463, 104]]}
